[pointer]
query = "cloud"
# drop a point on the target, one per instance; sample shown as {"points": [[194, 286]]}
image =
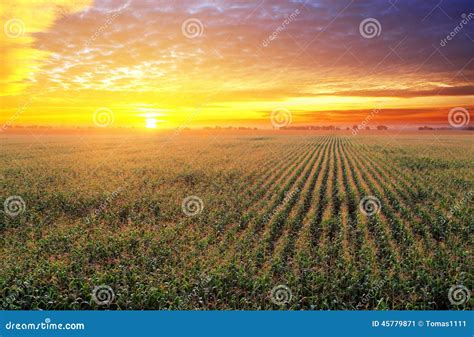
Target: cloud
{"points": [[127, 53], [21, 20]]}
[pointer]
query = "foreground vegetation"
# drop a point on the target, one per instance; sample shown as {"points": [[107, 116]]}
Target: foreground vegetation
{"points": [[277, 209]]}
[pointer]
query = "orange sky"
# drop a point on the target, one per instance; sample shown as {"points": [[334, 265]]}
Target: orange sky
{"points": [[168, 64]]}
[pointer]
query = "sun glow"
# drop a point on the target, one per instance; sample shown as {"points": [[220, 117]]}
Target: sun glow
{"points": [[150, 123], [62, 59]]}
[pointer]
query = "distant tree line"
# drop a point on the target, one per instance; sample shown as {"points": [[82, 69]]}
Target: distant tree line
{"points": [[330, 127]]}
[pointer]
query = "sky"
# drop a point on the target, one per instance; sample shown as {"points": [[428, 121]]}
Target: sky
{"points": [[264, 63]]}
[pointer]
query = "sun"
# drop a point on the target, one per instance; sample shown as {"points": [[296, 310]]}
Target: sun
{"points": [[150, 123]]}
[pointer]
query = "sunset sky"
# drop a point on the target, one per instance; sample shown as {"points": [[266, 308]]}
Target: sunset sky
{"points": [[170, 63]]}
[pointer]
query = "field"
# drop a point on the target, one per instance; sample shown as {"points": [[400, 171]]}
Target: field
{"points": [[217, 220]]}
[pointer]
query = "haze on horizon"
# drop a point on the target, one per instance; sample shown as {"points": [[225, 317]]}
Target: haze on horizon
{"points": [[194, 63]]}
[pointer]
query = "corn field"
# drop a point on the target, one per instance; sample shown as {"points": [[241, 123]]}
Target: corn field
{"points": [[249, 220]]}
